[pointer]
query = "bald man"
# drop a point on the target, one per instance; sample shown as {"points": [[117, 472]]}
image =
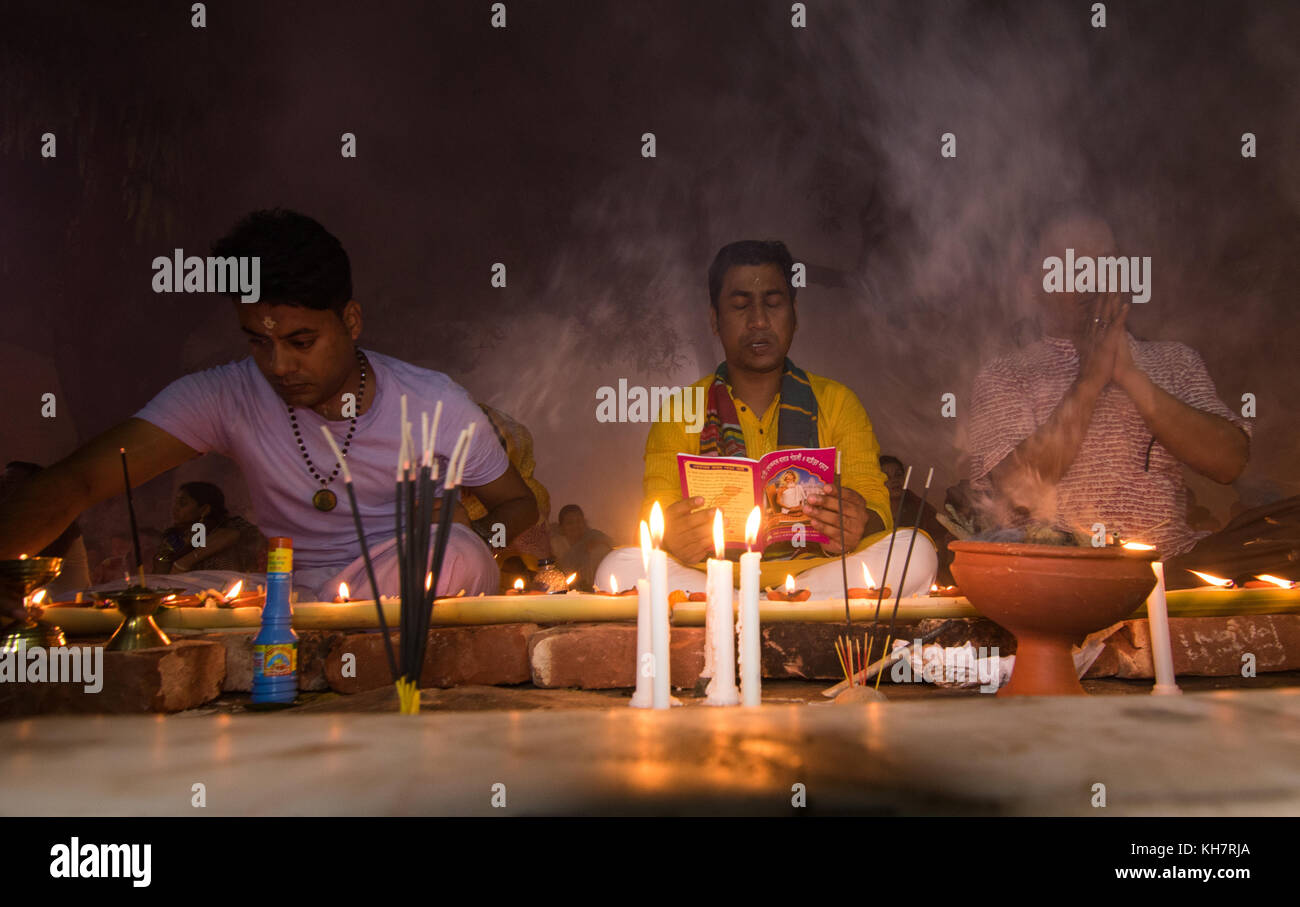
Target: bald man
{"points": [[1089, 425]]}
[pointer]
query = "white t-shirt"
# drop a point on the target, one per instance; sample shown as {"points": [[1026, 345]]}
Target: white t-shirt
{"points": [[232, 410]]}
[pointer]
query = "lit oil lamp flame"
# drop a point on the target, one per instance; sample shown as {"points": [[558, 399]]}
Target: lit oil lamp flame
{"points": [[934, 587], [789, 584], [22, 557], [868, 578], [343, 592], [719, 542], [233, 592], [1275, 580], [1141, 546], [1212, 579], [38, 597], [645, 547], [519, 584], [568, 581], [656, 525], [428, 580], [613, 585], [751, 528]]}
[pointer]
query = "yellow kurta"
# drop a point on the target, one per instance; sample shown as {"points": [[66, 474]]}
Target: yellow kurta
{"points": [[842, 423]]}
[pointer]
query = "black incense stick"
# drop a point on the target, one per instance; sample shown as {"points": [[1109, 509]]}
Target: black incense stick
{"points": [[130, 509], [898, 515], [365, 550], [898, 596]]}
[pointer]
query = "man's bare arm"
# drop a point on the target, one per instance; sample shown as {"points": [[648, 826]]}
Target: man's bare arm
{"points": [[1207, 443], [509, 501], [44, 506]]}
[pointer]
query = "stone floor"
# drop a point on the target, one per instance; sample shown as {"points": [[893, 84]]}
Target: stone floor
{"points": [[1227, 747]]}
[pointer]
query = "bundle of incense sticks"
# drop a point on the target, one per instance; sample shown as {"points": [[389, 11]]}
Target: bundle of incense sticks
{"points": [[420, 548], [916, 525]]}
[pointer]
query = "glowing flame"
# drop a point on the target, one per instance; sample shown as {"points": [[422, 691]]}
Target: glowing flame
{"points": [[233, 592], [1212, 579], [656, 525], [428, 580], [22, 557], [571, 577], [1139, 546], [38, 597], [519, 584], [751, 527], [645, 547], [613, 584], [934, 587], [789, 584], [1276, 580], [867, 577], [719, 543]]}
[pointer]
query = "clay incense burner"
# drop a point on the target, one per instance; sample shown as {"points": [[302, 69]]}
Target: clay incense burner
{"points": [[1050, 597]]}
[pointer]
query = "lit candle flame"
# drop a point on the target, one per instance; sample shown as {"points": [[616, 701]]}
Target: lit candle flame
{"points": [[1212, 579], [1140, 546], [751, 527], [233, 592], [343, 592], [789, 584], [428, 580], [613, 584], [656, 525], [645, 547], [38, 597], [719, 543], [868, 578], [519, 584], [569, 580], [1276, 580]]}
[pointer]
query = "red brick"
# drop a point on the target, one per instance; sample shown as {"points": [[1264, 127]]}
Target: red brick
{"points": [[313, 649], [493, 654], [603, 656]]}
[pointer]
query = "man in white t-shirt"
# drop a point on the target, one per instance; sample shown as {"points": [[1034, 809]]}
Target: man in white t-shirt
{"points": [[265, 412]]}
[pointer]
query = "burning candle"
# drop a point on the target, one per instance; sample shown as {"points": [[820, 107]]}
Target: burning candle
{"points": [[659, 634], [342, 597], [751, 683], [1158, 622], [643, 698], [718, 617], [1276, 581]]}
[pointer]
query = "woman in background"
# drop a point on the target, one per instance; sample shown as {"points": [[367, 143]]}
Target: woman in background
{"points": [[232, 543]]}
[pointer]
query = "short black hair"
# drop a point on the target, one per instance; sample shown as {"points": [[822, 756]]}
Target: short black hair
{"points": [[749, 252], [887, 458], [205, 493], [569, 508], [301, 263]]}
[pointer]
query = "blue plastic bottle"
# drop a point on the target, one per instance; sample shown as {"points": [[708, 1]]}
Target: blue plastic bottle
{"points": [[275, 648]]}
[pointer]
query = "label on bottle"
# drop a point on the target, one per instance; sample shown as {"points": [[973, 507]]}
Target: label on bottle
{"points": [[279, 560], [277, 660]]}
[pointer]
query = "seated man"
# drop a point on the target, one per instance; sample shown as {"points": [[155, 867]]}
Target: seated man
{"points": [[1089, 425], [759, 401], [266, 413], [579, 548]]}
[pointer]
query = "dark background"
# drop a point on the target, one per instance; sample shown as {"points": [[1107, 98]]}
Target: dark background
{"points": [[523, 145]]}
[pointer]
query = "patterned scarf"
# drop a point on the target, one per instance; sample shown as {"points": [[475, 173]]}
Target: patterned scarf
{"points": [[796, 418]]}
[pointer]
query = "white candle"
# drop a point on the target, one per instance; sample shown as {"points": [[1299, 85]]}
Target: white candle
{"points": [[1158, 623], [718, 617], [643, 698], [659, 631], [751, 674]]}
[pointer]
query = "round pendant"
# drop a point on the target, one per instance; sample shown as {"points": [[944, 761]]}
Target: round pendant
{"points": [[324, 499]]}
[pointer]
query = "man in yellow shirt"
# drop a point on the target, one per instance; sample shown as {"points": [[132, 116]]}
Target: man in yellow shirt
{"points": [[759, 401]]}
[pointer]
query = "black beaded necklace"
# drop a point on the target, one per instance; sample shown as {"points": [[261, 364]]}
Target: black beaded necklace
{"points": [[324, 499]]}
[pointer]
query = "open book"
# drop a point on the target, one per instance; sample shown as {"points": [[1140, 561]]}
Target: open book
{"points": [[779, 482]]}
